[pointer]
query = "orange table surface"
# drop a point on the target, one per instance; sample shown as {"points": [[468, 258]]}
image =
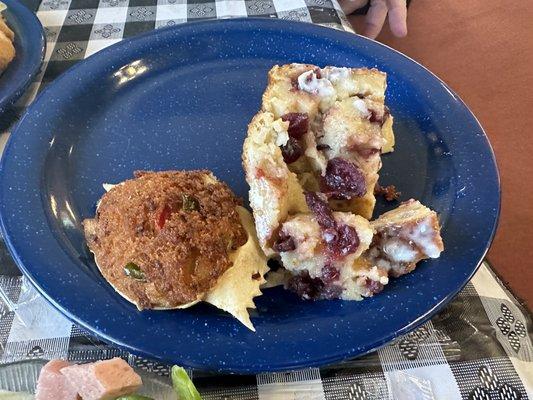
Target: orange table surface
{"points": [[484, 50]]}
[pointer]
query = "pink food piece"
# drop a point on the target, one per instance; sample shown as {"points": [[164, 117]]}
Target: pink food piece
{"points": [[103, 380], [52, 385]]}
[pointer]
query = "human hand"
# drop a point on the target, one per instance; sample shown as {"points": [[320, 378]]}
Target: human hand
{"points": [[377, 13]]}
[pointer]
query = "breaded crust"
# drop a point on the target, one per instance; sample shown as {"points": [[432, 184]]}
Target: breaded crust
{"points": [[163, 239]]}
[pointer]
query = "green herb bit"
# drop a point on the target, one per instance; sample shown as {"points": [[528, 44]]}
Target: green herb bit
{"points": [[132, 270], [133, 397], [183, 385], [189, 203]]}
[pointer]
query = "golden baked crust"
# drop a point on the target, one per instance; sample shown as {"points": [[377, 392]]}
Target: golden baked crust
{"points": [[163, 239]]}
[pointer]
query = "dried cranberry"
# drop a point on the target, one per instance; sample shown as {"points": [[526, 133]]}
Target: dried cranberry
{"points": [[306, 287], [347, 241], [284, 243], [292, 150], [298, 124], [329, 273], [313, 288], [320, 208], [373, 286], [343, 180], [318, 73], [374, 117]]}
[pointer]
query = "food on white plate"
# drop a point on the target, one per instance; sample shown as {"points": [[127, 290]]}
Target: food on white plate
{"points": [[167, 240], [111, 379], [311, 157], [7, 36]]}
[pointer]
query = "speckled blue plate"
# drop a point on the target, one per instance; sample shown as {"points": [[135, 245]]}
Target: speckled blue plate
{"points": [[182, 98], [30, 46]]}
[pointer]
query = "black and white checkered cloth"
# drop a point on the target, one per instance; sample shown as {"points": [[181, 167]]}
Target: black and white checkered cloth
{"points": [[479, 347]]}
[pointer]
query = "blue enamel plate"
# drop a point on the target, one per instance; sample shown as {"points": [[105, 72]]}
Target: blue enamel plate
{"points": [[30, 46], [181, 98]]}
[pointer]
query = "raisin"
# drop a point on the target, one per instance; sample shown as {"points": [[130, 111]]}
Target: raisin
{"points": [[284, 243], [298, 124], [373, 287], [347, 241], [292, 150], [309, 288], [320, 208], [306, 287], [343, 180], [329, 273]]}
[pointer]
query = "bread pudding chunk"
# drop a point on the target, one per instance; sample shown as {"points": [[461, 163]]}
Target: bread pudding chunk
{"points": [[346, 119], [405, 236]]}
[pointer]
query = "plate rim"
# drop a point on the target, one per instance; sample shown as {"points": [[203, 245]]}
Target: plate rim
{"points": [[15, 9], [323, 361]]}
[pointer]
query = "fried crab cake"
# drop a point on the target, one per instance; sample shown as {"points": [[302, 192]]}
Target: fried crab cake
{"points": [[164, 239]]}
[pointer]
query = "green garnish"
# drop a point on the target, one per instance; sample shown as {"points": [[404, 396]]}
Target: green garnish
{"points": [[189, 203], [183, 385], [134, 271], [133, 397]]}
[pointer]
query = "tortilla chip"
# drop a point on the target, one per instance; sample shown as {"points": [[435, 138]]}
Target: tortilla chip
{"points": [[236, 288]]}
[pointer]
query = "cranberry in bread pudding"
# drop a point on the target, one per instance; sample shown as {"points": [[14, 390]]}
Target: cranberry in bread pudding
{"points": [[341, 255], [312, 157], [334, 114]]}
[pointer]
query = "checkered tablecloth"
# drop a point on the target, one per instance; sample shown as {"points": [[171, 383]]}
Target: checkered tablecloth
{"points": [[479, 347]]}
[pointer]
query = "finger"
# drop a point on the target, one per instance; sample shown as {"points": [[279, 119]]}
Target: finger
{"points": [[349, 6], [398, 17], [375, 18]]}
